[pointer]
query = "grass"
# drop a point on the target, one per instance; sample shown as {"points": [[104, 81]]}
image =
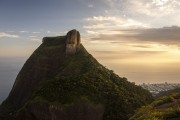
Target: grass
{"points": [[155, 112]]}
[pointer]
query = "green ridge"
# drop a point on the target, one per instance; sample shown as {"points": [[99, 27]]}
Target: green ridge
{"points": [[79, 82]]}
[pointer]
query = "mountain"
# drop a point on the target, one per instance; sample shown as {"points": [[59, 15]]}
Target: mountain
{"points": [[164, 108], [62, 81], [169, 92]]}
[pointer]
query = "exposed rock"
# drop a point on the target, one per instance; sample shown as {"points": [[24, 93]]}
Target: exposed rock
{"points": [[72, 42]]}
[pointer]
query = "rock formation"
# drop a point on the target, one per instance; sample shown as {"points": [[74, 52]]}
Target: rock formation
{"points": [[62, 81], [72, 42]]}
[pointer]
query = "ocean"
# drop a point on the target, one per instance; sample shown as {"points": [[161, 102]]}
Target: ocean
{"points": [[9, 68]]}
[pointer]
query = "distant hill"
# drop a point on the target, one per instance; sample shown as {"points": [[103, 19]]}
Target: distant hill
{"points": [[169, 92], [62, 81], [164, 108]]}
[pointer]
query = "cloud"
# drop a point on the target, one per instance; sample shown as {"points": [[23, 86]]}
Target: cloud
{"points": [[8, 35], [90, 6], [146, 7], [155, 8], [109, 22], [11, 31], [36, 39], [36, 32], [48, 32], [156, 13], [165, 35], [24, 31], [100, 18], [104, 32], [160, 2], [134, 14], [98, 26], [32, 36]]}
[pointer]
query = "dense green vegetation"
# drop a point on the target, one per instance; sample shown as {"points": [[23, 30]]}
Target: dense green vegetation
{"points": [[80, 79], [164, 108], [83, 78]]}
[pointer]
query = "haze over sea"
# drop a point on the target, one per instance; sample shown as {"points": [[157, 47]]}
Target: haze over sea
{"points": [[9, 68]]}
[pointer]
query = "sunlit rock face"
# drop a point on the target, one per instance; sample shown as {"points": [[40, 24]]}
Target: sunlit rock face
{"points": [[72, 42]]}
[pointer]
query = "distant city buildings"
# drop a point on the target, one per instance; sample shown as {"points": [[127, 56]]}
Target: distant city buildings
{"points": [[156, 88]]}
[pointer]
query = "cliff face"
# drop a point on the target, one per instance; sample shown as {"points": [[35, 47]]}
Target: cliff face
{"points": [[62, 81], [72, 42], [39, 69]]}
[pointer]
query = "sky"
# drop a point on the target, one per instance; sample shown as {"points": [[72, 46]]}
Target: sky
{"points": [[138, 39]]}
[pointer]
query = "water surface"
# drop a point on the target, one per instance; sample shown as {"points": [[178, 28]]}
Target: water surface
{"points": [[9, 68]]}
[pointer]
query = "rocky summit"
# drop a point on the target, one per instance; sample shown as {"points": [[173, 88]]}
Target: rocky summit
{"points": [[62, 81], [72, 42]]}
